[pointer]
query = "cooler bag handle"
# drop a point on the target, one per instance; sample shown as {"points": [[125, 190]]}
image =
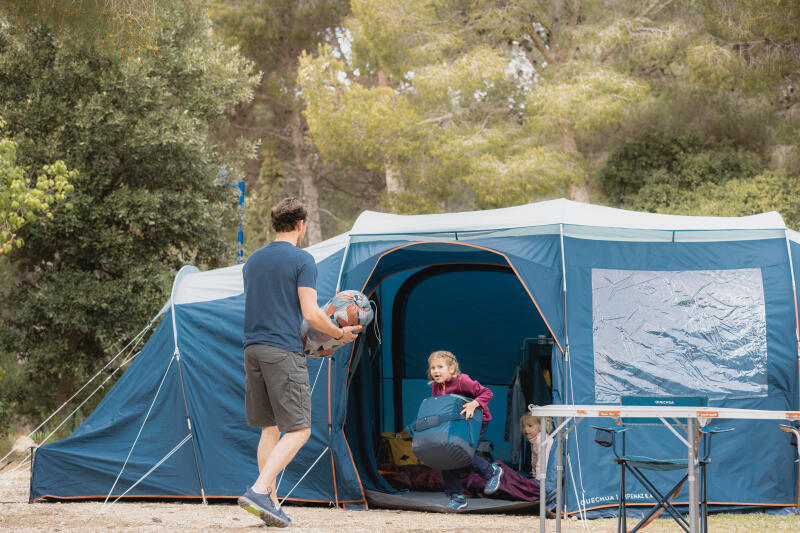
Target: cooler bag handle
{"points": [[430, 421]]}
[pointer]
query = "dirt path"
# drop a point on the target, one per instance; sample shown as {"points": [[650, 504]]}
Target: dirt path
{"points": [[18, 516]]}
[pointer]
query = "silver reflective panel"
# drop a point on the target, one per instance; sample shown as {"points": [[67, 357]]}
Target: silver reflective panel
{"points": [[679, 333]]}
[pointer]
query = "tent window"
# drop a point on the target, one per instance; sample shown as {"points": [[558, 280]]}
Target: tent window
{"points": [[679, 333]]}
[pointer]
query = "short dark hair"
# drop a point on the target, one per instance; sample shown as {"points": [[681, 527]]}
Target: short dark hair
{"points": [[287, 214]]}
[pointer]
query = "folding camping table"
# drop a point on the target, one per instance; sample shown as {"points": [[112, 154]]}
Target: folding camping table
{"points": [[695, 417]]}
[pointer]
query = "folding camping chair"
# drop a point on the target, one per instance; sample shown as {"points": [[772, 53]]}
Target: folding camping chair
{"points": [[794, 441], [637, 464]]}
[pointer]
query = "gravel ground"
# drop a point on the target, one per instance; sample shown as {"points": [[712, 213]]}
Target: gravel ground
{"points": [[19, 516]]}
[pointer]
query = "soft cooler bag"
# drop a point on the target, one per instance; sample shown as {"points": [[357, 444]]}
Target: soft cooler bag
{"points": [[442, 437]]}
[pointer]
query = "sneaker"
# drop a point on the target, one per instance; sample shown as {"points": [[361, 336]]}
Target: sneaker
{"points": [[284, 515], [457, 502], [493, 483], [261, 505]]}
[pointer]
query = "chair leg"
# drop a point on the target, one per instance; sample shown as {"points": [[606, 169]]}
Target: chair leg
{"points": [[662, 501], [622, 525], [704, 500]]}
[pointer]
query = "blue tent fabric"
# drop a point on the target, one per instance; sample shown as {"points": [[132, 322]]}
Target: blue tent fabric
{"points": [[730, 481], [87, 463], [524, 266]]}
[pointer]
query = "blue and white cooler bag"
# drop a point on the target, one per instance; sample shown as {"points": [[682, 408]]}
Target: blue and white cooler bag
{"points": [[441, 437]]}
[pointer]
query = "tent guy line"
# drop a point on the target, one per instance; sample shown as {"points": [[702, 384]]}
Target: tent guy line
{"points": [[135, 340], [159, 463], [321, 363], [146, 416], [126, 361]]}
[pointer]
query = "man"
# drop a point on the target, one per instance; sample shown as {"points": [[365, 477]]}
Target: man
{"points": [[279, 291]]}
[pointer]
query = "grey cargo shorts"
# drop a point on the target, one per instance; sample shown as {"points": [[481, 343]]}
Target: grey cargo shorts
{"points": [[276, 388]]}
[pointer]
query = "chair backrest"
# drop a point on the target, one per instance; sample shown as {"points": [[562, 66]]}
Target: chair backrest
{"points": [[672, 401]]}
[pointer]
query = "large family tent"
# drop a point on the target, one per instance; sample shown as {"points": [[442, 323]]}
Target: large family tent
{"points": [[593, 303]]}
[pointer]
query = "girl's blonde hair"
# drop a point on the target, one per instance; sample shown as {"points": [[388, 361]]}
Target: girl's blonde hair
{"points": [[527, 417], [449, 358]]}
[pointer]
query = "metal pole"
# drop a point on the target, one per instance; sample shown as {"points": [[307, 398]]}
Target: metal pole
{"points": [[559, 476], [692, 473], [542, 476], [566, 333], [191, 430], [240, 234]]}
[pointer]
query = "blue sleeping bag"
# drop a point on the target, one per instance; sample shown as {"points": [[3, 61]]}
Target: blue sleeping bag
{"points": [[441, 437]]}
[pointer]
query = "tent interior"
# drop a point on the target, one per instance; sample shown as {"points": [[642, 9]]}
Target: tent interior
{"points": [[469, 302]]}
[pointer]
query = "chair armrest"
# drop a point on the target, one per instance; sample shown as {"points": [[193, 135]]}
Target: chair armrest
{"points": [[794, 433], [794, 441], [710, 431], [614, 429], [713, 430]]}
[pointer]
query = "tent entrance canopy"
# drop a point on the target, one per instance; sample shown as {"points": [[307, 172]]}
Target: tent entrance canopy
{"points": [[536, 264], [455, 296]]}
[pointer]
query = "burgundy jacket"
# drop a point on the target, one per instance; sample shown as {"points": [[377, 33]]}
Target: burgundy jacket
{"points": [[463, 385]]}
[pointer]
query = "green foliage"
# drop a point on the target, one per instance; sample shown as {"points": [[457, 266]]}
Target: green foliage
{"points": [[116, 27], [584, 98], [149, 198], [370, 118], [273, 33], [21, 203], [666, 174], [768, 191], [435, 101]]}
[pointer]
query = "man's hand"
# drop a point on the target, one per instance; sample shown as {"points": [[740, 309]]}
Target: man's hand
{"points": [[469, 409], [317, 318], [350, 333]]}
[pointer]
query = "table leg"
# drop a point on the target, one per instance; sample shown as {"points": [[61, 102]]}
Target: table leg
{"points": [[559, 477], [542, 477], [692, 474]]}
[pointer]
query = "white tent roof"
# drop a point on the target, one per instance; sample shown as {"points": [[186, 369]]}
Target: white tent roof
{"points": [[585, 220], [193, 285], [554, 212]]}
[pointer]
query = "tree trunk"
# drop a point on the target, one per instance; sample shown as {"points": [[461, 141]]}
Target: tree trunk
{"points": [[391, 174], [308, 186], [66, 386], [568, 142], [577, 191], [392, 179]]}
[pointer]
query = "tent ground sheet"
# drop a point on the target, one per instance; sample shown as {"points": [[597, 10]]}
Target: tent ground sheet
{"points": [[436, 502]]}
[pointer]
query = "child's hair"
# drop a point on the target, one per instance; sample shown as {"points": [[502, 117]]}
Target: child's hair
{"points": [[537, 420], [448, 357]]}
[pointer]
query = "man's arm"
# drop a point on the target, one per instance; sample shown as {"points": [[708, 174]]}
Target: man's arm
{"points": [[318, 320]]}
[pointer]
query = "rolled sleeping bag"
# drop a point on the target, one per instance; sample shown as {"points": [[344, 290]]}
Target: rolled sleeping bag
{"points": [[346, 308], [441, 437]]}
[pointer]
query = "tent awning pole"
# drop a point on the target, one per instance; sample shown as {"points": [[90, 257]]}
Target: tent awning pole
{"points": [[796, 335], [341, 266], [177, 357]]}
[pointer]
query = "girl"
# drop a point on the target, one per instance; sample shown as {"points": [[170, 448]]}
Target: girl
{"points": [[447, 379], [531, 430]]}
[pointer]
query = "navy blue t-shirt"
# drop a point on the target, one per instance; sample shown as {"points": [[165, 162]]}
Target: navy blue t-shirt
{"points": [[272, 313]]}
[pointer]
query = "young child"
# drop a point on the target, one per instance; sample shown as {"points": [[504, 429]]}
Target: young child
{"points": [[531, 430], [447, 379]]}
